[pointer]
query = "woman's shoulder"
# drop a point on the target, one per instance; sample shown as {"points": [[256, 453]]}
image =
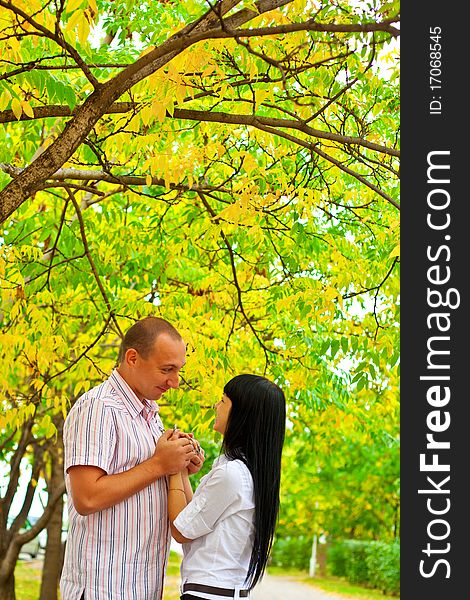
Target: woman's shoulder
{"points": [[234, 471]]}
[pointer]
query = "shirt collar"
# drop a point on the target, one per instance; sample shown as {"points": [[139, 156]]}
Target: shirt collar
{"points": [[135, 407], [220, 460]]}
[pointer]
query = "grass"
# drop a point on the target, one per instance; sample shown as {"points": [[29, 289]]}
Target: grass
{"points": [[28, 581], [171, 586], [335, 585]]}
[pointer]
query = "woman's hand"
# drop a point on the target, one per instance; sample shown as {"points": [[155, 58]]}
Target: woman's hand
{"points": [[197, 461]]}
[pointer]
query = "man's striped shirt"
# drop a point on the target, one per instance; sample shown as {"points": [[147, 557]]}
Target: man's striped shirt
{"points": [[119, 553]]}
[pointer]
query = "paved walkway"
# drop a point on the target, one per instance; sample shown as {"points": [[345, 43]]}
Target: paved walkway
{"points": [[288, 588]]}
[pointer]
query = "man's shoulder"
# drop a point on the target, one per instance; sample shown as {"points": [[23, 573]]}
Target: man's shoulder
{"points": [[102, 395]]}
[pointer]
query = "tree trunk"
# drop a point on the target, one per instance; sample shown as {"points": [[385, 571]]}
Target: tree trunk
{"points": [[53, 559], [7, 588], [321, 558]]}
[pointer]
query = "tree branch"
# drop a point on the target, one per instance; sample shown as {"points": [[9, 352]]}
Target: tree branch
{"points": [[213, 117], [25, 440], [255, 121], [90, 260], [314, 148], [57, 38], [310, 26], [92, 175], [209, 26], [236, 283], [89, 113], [56, 110]]}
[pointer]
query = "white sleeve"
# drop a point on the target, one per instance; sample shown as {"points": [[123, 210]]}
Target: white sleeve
{"points": [[219, 496], [89, 437]]}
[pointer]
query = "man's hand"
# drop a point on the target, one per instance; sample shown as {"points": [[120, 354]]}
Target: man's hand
{"points": [[173, 453], [196, 463]]}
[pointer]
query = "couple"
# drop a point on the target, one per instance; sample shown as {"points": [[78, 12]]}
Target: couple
{"points": [[128, 483]]}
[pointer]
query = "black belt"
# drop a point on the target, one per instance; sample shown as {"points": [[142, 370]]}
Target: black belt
{"points": [[210, 589]]}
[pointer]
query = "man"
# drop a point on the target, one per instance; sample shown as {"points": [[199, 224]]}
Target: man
{"points": [[117, 459]]}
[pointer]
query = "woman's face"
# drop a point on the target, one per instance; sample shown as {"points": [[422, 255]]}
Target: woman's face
{"points": [[222, 411]]}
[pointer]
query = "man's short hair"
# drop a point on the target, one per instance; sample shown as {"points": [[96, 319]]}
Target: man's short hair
{"points": [[143, 334]]}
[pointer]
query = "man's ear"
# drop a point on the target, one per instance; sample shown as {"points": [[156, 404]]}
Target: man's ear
{"points": [[130, 358]]}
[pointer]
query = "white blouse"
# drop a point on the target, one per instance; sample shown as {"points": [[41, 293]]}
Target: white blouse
{"points": [[220, 521]]}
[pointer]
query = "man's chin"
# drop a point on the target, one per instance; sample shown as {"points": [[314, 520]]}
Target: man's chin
{"points": [[158, 393]]}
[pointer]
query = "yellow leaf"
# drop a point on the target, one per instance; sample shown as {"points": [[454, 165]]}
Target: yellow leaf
{"points": [[51, 430], [148, 180], [72, 5], [395, 251], [83, 29], [330, 293], [146, 115], [64, 409], [5, 98], [27, 109], [45, 422], [93, 6], [161, 112], [15, 45], [72, 22], [16, 108], [261, 96]]}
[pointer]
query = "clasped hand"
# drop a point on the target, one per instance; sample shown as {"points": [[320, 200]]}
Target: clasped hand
{"points": [[196, 462]]}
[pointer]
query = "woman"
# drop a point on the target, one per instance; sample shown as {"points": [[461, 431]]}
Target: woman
{"points": [[227, 527]]}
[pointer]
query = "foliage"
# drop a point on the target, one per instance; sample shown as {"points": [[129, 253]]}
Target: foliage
{"points": [[383, 562], [234, 170], [341, 474], [376, 564], [291, 552]]}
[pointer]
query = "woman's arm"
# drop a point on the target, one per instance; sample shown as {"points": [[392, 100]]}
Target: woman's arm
{"points": [[188, 490], [179, 494]]}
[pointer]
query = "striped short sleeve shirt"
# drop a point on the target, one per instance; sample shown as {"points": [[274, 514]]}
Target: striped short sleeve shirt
{"points": [[119, 553]]}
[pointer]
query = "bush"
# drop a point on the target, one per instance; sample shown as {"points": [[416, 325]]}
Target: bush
{"points": [[383, 562], [292, 552], [373, 564], [336, 560], [356, 563]]}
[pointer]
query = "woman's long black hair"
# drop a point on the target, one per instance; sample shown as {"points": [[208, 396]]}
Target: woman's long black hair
{"points": [[255, 435]]}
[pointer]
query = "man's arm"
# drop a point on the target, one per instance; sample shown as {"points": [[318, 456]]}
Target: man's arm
{"points": [[94, 490]]}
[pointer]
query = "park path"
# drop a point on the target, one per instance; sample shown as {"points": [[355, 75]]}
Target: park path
{"points": [[288, 588]]}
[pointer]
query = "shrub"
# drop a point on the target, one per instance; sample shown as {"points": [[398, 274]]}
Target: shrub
{"points": [[292, 552], [383, 562], [337, 559], [373, 564]]}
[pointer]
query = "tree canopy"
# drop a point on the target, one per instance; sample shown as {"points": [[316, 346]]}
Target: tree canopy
{"points": [[232, 167]]}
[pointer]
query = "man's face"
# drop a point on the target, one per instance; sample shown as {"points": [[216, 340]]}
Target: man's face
{"points": [[153, 376]]}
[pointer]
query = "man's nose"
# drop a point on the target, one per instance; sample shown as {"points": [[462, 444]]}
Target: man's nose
{"points": [[173, 380]]}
